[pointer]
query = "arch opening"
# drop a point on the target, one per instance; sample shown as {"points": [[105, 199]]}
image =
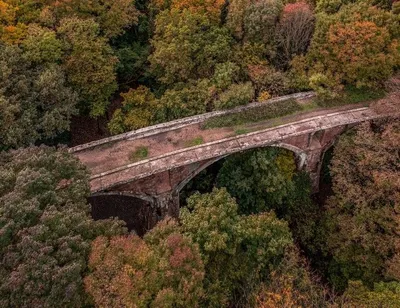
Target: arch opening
{"points": [[138, 213], [205, 178]]}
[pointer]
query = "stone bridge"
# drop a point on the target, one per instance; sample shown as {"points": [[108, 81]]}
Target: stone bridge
{"points": [[159, 178]]}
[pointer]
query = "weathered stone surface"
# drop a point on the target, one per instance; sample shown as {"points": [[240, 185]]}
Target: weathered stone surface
{"points": [[172, 125], [160, 178], [310, 136]]}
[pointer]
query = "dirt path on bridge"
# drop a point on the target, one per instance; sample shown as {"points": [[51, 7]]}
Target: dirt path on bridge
{"points": [[109, 156]]}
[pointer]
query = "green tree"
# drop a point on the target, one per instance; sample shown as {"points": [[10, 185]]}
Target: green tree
{"points": [[139, 108], [362, 216], [235, 95], [255, 22], [114, 16], [258, 179], [90, 63], [384, 294], [238, 251], [185, 100], [36, 100], [45, 228], [162, 270], [187, 46], [41, 45]]}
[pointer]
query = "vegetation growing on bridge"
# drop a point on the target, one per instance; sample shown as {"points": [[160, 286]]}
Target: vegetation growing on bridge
{"points": [[234, 245], [157, 61], [193, 142], [250, 233], [263, 112], [138, 154], [274, 110]]}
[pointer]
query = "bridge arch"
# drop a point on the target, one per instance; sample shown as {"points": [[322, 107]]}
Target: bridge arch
{"points": [[299, 154], [138, 212]]}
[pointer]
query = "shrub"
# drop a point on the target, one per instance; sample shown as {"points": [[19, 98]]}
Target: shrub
{"points": [[325, 86], [139, 154], [225, 74], [263, 96], [268, 79], [182, 102]]}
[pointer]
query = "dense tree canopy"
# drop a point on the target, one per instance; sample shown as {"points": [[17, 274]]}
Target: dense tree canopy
{"points": [[260, 179], [187, 45], [90, 64], [357, 45], [139, 110], [178, 48], [46, 228], [238, 251], [163, 270], [363, 212], [36, 102], [256, 237]]}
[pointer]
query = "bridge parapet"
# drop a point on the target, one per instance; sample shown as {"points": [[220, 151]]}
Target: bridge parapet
{"points": [[159, 179], [306, 136]]}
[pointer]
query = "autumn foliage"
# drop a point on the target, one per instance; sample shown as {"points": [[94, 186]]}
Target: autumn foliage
{"points": [[361, 52], [162, 270], [45, 228], [362, 214]]}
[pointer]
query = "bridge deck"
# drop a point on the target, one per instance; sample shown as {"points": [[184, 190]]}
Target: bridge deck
{"points": [[109, 162]]}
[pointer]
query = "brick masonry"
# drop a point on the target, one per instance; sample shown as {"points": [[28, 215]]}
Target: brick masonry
{"points": [[161, 178]]}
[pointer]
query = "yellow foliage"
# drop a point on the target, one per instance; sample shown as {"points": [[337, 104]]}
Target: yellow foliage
{"points": [[13, 34], [7, 13], [285, 163], [263, 96]]}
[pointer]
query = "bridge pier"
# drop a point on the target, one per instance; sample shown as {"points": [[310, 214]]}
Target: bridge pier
{"points": [[167, 204], [313, 167]]}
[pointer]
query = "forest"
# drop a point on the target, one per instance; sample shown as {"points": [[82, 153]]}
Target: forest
{"points": [[251, 231]]}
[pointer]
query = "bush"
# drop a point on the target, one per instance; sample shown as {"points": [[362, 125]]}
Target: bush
{"points": [[263, 96], [325, 86], [138, 109], [187, 101], [225, 74]]}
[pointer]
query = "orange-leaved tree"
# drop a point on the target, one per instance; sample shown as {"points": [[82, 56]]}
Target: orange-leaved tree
{"points": [[361, 52], [162, 270]]}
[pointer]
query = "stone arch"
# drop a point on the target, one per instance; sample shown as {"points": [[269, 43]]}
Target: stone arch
{"points": [[300, 157], [138, 212], [122, 193]]}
